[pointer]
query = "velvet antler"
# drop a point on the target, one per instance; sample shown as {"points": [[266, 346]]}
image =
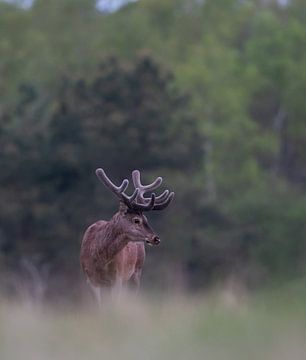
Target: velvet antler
{"points": [[137, 201]]}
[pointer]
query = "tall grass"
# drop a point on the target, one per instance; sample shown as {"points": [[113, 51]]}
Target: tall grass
{"points": [[218, 326]]}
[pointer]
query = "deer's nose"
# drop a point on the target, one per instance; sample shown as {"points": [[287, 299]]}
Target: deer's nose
{"points": [[155, 240]]}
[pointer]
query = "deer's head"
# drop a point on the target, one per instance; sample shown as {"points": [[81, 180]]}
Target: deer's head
{"points": [[130, 218]]}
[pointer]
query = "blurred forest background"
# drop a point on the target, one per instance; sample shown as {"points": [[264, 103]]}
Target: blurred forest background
{"points": [[208, 94]]}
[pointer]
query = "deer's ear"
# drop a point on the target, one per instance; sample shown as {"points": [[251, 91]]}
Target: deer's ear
{"points": [[123, 209]]}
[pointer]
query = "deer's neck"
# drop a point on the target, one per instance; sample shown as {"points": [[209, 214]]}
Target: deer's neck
{"points": [[113, 241]]}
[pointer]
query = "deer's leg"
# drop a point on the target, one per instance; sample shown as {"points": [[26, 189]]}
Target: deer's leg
{"points": [[135, 279], [136, 276], [117, 289], [97, 291]]}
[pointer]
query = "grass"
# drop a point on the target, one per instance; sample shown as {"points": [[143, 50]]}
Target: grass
{"points": [[219, 326]]}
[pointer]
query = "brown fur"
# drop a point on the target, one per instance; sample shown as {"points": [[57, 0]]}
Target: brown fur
{"points": [[114, 250]]}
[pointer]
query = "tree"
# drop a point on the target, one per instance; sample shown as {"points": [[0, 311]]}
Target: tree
{"points": [[129, 115]]}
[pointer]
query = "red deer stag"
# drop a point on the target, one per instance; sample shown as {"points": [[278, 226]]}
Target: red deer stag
{"points": [[113, 252]]}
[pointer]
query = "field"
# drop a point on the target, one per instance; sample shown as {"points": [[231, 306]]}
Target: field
{"points": [[222, 325]]}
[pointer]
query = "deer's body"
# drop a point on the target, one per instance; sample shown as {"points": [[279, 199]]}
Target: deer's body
{"points": [[113, 252], [107, 261]]}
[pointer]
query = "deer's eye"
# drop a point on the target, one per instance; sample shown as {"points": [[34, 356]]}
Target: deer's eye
{"points": [[136, 221]]}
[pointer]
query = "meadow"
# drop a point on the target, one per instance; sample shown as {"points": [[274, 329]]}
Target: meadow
{"points": [[210, 95], [222, 325]]}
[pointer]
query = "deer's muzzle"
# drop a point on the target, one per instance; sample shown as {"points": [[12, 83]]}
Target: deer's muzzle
{"points": [[154, 240]]}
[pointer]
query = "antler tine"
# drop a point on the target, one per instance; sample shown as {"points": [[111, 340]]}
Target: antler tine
{"points": [[162, 197], [160, 202], [108, 183], [158, 199], [163, 205], [117, 190], [145, 206], [137, 201], [144, 188], [133, 196]]}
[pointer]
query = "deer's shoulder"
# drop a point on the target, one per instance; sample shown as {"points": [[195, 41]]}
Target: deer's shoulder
{"points": [[92, 230]]}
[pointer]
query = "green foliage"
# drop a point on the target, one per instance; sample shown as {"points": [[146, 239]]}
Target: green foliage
{"points": [[127, 116]]}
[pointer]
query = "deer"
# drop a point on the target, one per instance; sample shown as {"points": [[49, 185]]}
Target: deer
{"points": [[113, 252]]}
